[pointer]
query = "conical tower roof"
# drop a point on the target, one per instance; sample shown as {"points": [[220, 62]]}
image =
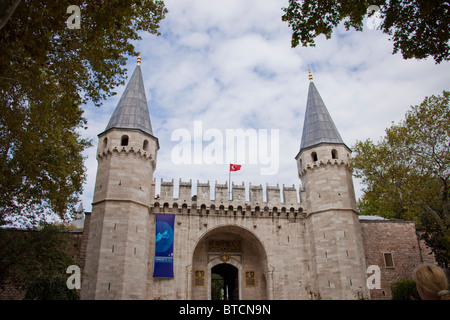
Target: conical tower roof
{"points": [[132, 110], [318, 126]]}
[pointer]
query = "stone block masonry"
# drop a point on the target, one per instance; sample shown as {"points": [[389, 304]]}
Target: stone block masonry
{"points": [[392, 245]]}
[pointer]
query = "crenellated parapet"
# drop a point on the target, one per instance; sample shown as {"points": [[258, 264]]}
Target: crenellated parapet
{"points": [[127, 151], [322, 163], [322, 156], [254, 201]]}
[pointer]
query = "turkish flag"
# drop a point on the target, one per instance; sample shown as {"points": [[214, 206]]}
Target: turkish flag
{"points": [[235, 167]]}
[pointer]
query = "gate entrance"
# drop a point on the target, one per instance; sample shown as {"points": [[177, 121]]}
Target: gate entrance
{"points": [[224, 282], [229, 263]]}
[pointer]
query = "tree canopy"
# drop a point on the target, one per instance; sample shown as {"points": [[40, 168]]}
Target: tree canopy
{"points": [[47, 73], [418, 28], [407, 172]]}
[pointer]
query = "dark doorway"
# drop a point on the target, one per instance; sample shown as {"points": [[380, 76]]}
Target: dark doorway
{"points": [[224, 282]]}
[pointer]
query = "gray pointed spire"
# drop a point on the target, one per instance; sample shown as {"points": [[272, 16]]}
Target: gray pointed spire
{"points": [[132, 110], [318, 126]]}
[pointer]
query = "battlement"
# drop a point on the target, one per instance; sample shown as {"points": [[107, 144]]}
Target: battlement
{"points": [[322, 155], [125, 151], [255, 199]]}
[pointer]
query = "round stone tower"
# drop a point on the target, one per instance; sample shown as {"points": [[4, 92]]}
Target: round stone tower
{"points": [[338, 261], [117, 249]]}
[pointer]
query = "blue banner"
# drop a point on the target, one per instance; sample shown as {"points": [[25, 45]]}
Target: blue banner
{"points": [[164, 246]]}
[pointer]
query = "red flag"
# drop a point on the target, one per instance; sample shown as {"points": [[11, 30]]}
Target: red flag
{"points": [[235, 167]]}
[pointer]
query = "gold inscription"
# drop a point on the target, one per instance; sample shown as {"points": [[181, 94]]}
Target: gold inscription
{"points": [[224, 245], [199, 278], [249, 278]]}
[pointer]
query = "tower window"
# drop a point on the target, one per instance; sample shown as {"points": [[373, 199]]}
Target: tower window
{"points": [[145, 146], [334, 154], [314, 156], [105, 142], [124, 140]]}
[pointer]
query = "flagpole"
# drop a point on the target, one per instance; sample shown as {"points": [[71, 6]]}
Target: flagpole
{"points": [[229, 181]]}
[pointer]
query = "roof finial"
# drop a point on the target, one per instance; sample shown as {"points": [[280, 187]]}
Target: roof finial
{"points": [[139, 59], [310, 76]]}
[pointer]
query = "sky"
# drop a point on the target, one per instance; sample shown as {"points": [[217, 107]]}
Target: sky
{"points": [[224, 68]]}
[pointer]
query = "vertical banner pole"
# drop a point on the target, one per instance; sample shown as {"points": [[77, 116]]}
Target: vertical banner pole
{"points": [[229, 183]]}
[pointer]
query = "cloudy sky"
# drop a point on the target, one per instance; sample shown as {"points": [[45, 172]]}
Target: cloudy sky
{"points": [[224, 66]]}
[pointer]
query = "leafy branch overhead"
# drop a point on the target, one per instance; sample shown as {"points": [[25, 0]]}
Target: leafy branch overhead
{"points": [[418, 28], [47, 72]]}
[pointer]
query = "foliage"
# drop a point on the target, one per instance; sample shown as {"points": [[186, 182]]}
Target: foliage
{"points": [[50, 288], [47, 72], [419, 28], [407, 172], [29, 257], [312, 294], [404, 290], [217, 285]]}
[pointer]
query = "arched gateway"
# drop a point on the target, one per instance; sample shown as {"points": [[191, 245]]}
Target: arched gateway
{"points": [[238, 245], [229, 262]]}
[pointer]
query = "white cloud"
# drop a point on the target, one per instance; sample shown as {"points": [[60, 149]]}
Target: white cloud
{"points": [[229, 64]]}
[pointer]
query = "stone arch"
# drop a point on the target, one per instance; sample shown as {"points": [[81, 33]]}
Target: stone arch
{"points": [[246, 252], [275, 211], [166, 207], [292, 211]]}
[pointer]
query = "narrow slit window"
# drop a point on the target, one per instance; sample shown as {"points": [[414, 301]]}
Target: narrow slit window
{"points": [[145, 145], [124, 140], [334, 154]]}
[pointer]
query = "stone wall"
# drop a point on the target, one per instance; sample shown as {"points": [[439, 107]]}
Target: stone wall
{"points": [[278, 252], [393, 246], [274, 249]]}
